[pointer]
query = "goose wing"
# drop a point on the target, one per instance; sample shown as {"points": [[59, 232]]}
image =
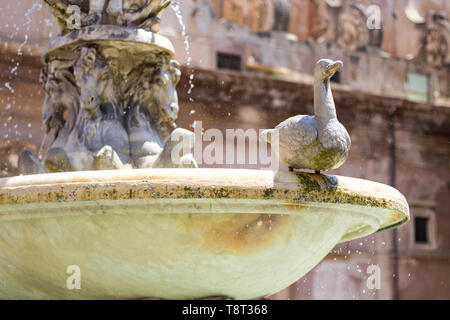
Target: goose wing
{"points": [[297, 131]]}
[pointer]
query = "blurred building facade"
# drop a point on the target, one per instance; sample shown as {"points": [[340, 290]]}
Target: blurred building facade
{"points": [[249, 64]]}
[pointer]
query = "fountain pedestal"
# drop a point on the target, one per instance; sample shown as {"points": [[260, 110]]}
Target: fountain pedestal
{"points": [[111, 102]]}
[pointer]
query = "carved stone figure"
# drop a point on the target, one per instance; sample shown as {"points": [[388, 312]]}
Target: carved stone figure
{"points": [[62, 96], [29, 164], [352, 31], [435, 29], [96, 138], [97, 7], [436, 39], [346, 23], [435, 48], [155, 87], [143, 14], [111, 95], [101, 119], [318, 142]]}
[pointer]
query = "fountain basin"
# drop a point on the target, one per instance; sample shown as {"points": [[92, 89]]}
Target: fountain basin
{"points": [[179, 233]]}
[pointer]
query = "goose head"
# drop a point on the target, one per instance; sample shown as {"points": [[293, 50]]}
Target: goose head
{"points": [[326, 68]]}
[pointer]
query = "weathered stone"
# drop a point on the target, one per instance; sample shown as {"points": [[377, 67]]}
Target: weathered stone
{"points": [[143, 14], [183, 233], [101, 78]]}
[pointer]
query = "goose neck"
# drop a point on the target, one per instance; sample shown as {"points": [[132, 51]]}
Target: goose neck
{"points": [[324, 107]]}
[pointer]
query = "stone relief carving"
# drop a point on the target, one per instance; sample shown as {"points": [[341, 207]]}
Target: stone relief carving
{"points": [[154, 87], [435, 29], [143, 14], [345, 22], [436, 39], [258, 15], [352, 31], [110, 108], [101, 116], [435, 47]]}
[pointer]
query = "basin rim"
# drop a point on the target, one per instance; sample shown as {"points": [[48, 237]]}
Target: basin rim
{"points": [[218, 186]]}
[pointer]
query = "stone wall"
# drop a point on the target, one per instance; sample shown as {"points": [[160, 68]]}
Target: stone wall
{"points": [[411, 44]]}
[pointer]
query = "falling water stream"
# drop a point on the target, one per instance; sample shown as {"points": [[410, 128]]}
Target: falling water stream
{"points": [[176, 8], [14, 68], [27, 24]]}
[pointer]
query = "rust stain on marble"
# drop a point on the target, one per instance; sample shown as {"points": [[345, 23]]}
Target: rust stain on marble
{"points": [[395, 216], [296, 206], [239, 234]]}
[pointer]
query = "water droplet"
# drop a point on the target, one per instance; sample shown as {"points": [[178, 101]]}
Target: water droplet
{"points": [[8, 85]]}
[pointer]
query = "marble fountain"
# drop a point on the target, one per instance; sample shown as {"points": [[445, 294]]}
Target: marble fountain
{"points": [[108, 197]]}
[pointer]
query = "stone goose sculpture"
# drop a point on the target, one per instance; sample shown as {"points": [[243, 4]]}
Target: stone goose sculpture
{"points": [[316, 142]]}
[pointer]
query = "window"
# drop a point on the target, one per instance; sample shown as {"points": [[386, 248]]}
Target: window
{"points": [[227, 61], [417, 87], [421, 230]]}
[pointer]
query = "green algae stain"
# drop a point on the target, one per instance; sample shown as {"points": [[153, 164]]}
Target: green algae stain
{"points": [[221, 193], [192, 193], [268, 193]]}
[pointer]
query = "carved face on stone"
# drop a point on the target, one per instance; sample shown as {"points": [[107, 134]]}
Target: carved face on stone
{"points": [[159, 89], [164, 87], [62, 94], [95, 81]]}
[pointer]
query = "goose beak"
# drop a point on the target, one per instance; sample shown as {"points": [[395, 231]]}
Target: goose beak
{"points": [[334, 67]]}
